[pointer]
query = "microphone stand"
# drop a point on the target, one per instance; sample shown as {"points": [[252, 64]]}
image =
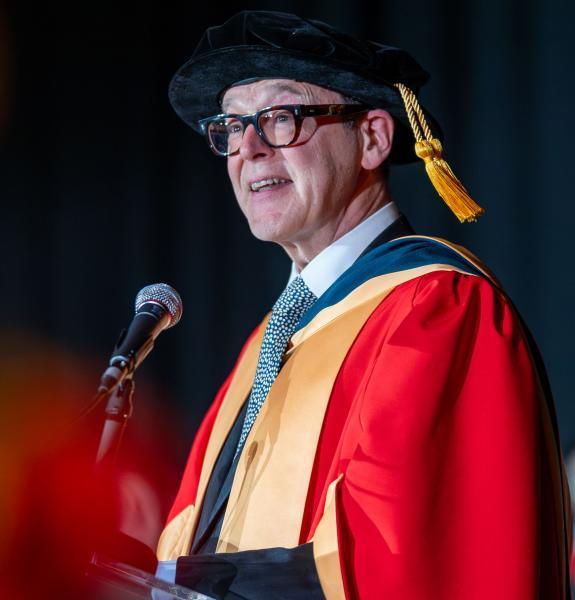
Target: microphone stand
{"points": [[119, 409], [111, 569]]}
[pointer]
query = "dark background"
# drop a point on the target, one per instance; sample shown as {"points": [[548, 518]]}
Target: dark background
{"points": [[104, 190]]}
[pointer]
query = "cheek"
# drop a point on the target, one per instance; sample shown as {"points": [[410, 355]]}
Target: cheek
{"points": [[318, 183], [310, 171]]}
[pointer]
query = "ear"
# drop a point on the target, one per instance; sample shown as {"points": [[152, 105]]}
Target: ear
{"points": [[376, 130]]}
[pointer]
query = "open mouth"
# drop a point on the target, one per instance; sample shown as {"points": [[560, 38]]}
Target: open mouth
{"points": [[267, 184]]}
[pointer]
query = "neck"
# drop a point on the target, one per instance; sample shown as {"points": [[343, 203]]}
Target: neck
{"points": [[370, 198]]}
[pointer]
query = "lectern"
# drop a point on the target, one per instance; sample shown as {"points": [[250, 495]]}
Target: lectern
{"points": [[111, 580]]}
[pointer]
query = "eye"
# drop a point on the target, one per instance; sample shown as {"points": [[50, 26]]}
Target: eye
{"points": [[276, 118], [233, 127]]}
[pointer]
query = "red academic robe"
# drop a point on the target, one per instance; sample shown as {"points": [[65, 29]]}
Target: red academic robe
{"points": [[437, 432]]}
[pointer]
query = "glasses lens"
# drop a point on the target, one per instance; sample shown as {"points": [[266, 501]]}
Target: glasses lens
{"points": [[225, 135], [278, 126]]}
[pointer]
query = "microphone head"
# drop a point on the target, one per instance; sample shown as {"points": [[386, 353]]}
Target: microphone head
{"points": [[164, 295]]}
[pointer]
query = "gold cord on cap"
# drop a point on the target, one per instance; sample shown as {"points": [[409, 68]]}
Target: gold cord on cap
{"points": [[429, 149]]}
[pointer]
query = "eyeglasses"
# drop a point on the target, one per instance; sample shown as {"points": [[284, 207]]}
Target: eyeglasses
{"points": [[277, 126]]}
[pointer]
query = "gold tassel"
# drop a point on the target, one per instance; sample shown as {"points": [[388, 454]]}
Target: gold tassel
{"points": [[429, 149]]}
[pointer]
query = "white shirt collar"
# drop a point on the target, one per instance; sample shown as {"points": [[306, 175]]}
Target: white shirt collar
{"points": [[332, 261]]}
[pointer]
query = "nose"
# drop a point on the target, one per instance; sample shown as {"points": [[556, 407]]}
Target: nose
{"points": [[252, 146]]}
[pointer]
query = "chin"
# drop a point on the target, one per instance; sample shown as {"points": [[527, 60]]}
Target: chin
{"points": [[268, 231]]}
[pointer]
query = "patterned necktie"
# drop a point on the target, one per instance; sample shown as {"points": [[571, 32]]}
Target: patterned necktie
{"points": [[286, 313]]}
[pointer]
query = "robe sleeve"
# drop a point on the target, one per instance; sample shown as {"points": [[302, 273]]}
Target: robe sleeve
{"points": [[441, 494]]}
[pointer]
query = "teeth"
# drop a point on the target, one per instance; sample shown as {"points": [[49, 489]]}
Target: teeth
{"points": [[258, 185]]}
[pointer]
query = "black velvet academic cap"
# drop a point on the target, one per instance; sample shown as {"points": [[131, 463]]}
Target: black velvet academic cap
{"points": [[254, 45]]}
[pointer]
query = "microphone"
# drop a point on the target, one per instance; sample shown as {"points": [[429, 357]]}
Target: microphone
{"points": [[158, 307]]}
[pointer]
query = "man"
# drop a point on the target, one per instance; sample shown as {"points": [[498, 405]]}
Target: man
{"points": [[387, 430]]}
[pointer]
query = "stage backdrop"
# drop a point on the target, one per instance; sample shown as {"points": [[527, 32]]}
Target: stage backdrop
{"points": [[104, 190]]}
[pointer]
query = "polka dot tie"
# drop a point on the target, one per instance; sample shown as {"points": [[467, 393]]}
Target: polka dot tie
{"points": [[286, 314]]}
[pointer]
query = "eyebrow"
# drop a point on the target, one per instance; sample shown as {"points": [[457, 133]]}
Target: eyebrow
{"points": [[278, 88]]}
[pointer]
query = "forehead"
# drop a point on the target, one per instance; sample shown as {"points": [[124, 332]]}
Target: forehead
{"points": [[258, 94]]}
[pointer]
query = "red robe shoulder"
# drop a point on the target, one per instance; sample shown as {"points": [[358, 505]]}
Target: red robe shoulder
{"points": [[451, 482]]}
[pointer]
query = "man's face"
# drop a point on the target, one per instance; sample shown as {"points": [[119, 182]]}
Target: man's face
{"points": [[318, 177]]}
